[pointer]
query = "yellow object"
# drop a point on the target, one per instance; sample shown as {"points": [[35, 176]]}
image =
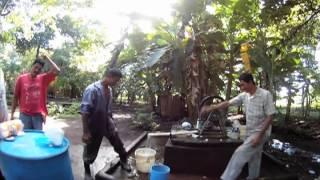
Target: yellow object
{"points": [[10, 128], [17, 124], [245, 56]]}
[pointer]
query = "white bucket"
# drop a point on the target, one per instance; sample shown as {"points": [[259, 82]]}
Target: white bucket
{"points": [[145, 158]]}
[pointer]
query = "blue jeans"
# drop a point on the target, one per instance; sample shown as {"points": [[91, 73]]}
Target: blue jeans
{"points": [[31, 122]]}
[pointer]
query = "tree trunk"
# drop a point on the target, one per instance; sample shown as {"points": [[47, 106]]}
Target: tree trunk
{"points": [[308, 102], [288, 110], [192, 110], [303, 97], [193, 87], [115, 55], [203, 79], [38, 50], [151, 98], [121, 98], [117, 50], [72, 91], [260, 79], [265, 81], [275, 98], [229, 87], [230, 79], [131, 98]]}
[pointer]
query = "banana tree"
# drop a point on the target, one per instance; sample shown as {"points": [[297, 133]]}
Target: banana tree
{"points": [[189, 53]]}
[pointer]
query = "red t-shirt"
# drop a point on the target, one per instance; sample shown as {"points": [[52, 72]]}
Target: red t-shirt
{"points": [[32, 93]]}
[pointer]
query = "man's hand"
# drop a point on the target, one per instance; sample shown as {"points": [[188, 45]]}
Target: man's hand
{"points": [[86, 137], [54, 68], [256, 140], [44, 119]]}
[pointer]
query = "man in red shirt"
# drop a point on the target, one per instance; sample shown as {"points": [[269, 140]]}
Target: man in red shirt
{"points": [[31, 94]]}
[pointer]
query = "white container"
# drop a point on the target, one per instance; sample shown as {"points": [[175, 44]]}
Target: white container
{"points": [[145, 158], [55, 135]]}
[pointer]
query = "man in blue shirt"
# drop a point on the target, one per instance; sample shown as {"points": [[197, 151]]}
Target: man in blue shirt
{"points": [[97, 120]]}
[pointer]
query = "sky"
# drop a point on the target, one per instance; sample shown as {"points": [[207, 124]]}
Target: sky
{"points": [[112, 15]]}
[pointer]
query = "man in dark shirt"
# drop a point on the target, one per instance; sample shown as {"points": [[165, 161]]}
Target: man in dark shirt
{"points": [[97, 120]]}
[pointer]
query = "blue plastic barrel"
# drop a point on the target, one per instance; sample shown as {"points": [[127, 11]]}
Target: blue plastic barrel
{"points": [[27, 159], [159, 172]]}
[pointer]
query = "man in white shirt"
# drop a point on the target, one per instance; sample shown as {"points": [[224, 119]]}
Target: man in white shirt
{"points": [[3, 102], [259, 109]]}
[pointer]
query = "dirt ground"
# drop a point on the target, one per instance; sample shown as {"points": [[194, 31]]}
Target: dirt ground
{"points": [[73, 131], [305, 161]]}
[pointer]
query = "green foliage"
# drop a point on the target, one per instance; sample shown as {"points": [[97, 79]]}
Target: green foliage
{"points": [[55, 109], [73, 109], [6, 37], [69, 27], [282, 34], [40, 39], [138, 40], [145, 121]]}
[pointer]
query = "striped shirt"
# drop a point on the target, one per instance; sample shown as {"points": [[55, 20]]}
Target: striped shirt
{"points": [[256, 107]]}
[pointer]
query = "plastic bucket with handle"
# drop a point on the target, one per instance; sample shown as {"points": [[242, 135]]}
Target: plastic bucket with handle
{"points": [[145, 158]]}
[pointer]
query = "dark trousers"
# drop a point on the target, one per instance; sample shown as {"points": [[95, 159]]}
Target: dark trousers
{"points": [[92, 148], [1, 176]]}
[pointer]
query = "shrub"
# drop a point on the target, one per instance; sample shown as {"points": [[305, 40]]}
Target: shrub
{"points": [[145, 121], [57, 109], [73, 109]]}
